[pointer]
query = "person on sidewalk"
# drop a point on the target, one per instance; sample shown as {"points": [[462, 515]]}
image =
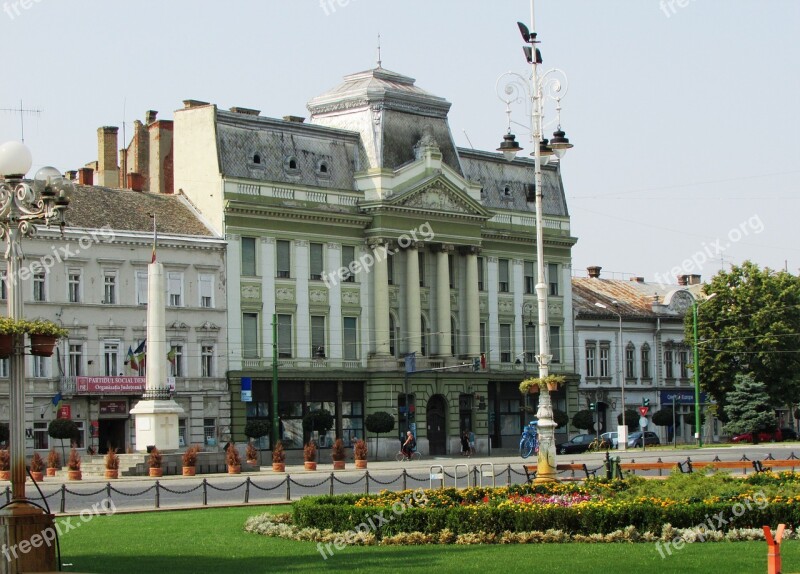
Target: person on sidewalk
{"points": [[409, 445], [464, 444], [472, 443]]}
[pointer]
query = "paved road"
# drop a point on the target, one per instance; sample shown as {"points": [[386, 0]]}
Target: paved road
{"points": [[265, 486]]}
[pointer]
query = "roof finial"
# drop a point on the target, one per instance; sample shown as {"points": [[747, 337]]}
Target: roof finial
{"points": [[379, 50]]}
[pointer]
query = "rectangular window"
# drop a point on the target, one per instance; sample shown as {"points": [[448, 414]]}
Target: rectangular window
{"points": [[76, 359], [3, 284], [141, 287], [110, 287], [505, 343], [74, 286], [390, 269], [183, 436], [502, 275], [552, 276], [530, 278], [318, 336], [250, 346], [284, 259], [350, 338], [79, 436], [111, 358], [175, 288], [555, 344], [3, 368], [451, 270], [630, 362], [483, 337], [315, 261], [175, 357], [682, 364], [39, 287], [249, 256], [668, 371], [39, 367], [481, 275], [604, 362], [530, 343], [207, 361], [206, 287], [590, 360], [40, 436], [348, 256], [285, 336], [210, 431], [421, 267], [645, 362]]}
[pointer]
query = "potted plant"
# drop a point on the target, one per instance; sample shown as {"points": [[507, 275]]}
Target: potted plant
{"points": [[233, 459], [534, 384], [310, 455], [112, 463], [190, 460], [74, 465], [53, 462], [529, 386], [9, 328], [37, 467], [337, 454], [278, 457], [360, 453], [154, 463], [44, 335], [251, 453], [5, 464]]}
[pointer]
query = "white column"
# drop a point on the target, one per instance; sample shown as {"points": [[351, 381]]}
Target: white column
{"points": [[413, 306], [472, 305], [443, 301], [156, 375], [380, 288], [268, 273], [233, 293], [302, 268], [492, 277]]}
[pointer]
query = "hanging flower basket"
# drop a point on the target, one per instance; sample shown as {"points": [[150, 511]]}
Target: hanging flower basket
{"points": [[44, 335], [6, 345], [535, 384], [43, 345]]}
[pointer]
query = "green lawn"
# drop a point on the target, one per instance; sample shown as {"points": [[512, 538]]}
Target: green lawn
{"points": [[213, 540]]}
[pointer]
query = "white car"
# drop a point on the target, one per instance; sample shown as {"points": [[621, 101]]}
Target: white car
{"points": [[611, 437]]}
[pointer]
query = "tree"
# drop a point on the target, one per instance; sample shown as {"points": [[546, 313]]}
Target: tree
{"points": [[380, 422], [748, 408], [61, 429], [751, 325], [560, 418], [256, 428], [663, 418], [321, 421], [584, 420], [631, 418]]}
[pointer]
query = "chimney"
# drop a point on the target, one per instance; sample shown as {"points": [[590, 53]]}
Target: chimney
{"points": [[189, 104], [86, 176], [150, 116], [135, 182], [245, 111], [683, 280], [160, 162], [72, 174], [294, 119], [637, 279], [694, 279], [594, 271], [107, 169]]}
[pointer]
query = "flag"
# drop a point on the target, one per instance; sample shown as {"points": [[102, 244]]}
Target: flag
{"points": [[141, 353], [56, 399], [155, 239], [132, 359], [171, 356]]}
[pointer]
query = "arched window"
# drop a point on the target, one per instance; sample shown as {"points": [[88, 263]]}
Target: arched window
{"points": [[645, 361], [256, 158]]}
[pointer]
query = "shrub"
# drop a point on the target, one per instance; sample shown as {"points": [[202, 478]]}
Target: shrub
{"points": [[154, 460], [53, 459], [112, 459], [321, 421], [232, 457], [337, 451], [584, 420], [256, 428], [560, 418], [360, 450], [190, 455], [251, 452], [5, 459], [62, 429], [74, 460], [278, 454], [310, 451], [37, 463]]}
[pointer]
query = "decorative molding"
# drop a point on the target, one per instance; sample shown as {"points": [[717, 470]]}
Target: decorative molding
{"points": [[301, 242], [492, 259], [285, 294], [351, 297], [436, 198], [318, 296], [335, 246], [268, 240], [505, 306], [250, 291]]}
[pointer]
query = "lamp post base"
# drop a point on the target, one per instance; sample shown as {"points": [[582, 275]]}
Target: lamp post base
{"points": [[27, 535]]}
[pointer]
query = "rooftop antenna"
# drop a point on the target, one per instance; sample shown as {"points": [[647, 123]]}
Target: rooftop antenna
{"points": [[379, 50], [22, 111], [468, 140]]}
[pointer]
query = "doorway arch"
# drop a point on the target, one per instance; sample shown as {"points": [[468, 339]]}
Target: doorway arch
{"points": [[436, 417]]}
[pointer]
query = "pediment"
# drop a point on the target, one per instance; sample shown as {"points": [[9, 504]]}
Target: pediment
{"points": [[440, 197]]}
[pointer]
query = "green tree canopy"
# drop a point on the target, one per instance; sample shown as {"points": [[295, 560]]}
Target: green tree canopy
{"points": [[256, 428], [631, 419], [663, 417], [560, 418], [321, 421], [379, 423], [584, 420], [748, 407], [751, 325]]}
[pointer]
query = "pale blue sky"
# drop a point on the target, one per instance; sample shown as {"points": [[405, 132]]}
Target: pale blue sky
{"points": [[684, 119]]}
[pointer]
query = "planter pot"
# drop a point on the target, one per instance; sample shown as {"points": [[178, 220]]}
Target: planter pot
{"points": [[42, 345], [51, 471], [552, 386], [533, 390], [74, 474], [189, 470], [310, 465], [252, 462], [279, 467], [37, 476], [234, 469], [6, 345], [112, 473], [5, 475], [156, 472], [338, 465], [361, 463]]}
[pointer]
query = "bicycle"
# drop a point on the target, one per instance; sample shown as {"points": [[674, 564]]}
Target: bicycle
{"points": [[401, 456], [529, 442], [598, 445]]}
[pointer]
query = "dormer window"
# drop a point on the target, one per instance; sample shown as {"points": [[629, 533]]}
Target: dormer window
{"points": [[506, 190], [256, 158], [290, 164], [322, 169]]}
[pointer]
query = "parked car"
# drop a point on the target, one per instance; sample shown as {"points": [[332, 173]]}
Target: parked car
{"points": [[788, 433], [763, 436], [639, 438], [576, 445], [611, 437]]}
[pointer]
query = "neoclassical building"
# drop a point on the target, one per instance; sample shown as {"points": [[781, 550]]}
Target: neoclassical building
{"points": [[386, 260]]}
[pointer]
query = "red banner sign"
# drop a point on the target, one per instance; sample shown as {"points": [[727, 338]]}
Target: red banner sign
{"points": [[64, 412], [114, 385]]}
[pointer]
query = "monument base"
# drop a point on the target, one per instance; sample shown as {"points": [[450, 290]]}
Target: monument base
{"points": [[157, 424], [28, 539]]}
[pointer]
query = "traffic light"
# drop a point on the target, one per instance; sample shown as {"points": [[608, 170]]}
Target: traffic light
{"points": [[646, 402], [592, 406], [476, 365]]}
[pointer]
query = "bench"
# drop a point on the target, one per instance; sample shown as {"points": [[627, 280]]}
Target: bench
{"points": [[531, 470], [659, 466], [762, 465], [743, 465]]}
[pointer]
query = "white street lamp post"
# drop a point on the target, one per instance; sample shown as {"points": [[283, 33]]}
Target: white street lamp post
{"points": [[516, 89], [622, 430]]}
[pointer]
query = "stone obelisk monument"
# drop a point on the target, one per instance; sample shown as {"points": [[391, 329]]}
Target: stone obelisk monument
{"points": [[156, 414]]}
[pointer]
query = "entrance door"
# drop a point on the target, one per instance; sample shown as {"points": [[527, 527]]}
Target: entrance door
{"points": [[111, 431], [437, 431]]}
